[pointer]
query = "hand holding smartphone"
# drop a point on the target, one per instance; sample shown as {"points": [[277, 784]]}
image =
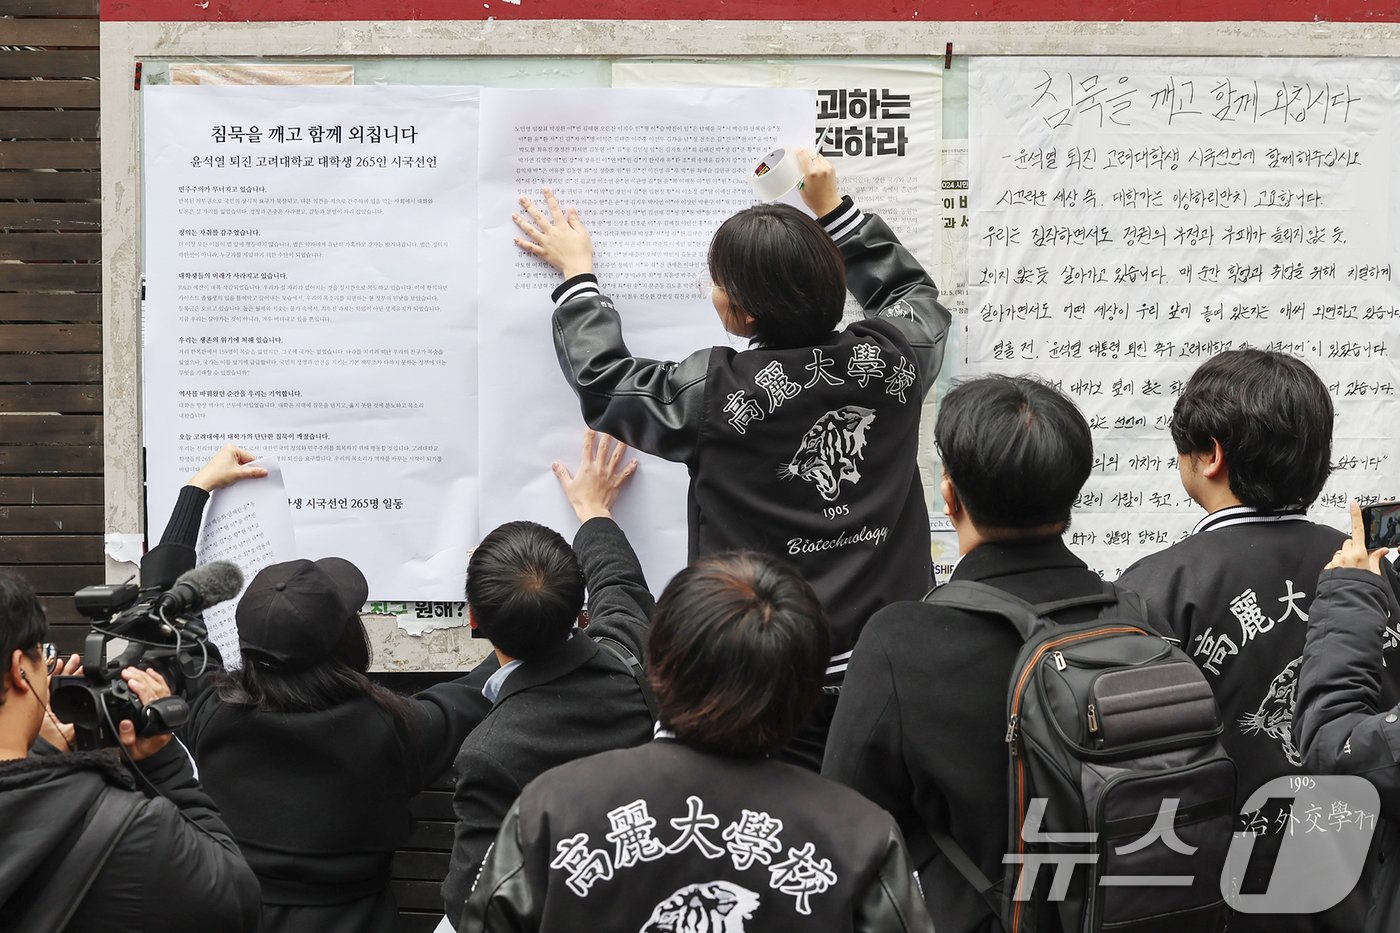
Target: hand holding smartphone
{"points": [[1382, 524]]}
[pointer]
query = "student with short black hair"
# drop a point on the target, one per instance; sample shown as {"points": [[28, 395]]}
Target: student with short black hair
{"points": [[701, 830], [525, 588], [1253, 433], [737, 651], [805, 444], [557, 692], [1229, 421], [921, 726], [1014, 453]]}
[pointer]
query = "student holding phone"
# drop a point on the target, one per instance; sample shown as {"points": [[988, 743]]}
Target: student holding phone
{"points": [[1342, 725]]}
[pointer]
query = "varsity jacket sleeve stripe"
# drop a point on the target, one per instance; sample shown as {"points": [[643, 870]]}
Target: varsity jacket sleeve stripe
{"points": [[652, 405], [1339, 724], [890, 284], [619, 603]]}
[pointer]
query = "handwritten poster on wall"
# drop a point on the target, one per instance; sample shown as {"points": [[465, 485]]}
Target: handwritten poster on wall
{"points": [[1133, 217]]}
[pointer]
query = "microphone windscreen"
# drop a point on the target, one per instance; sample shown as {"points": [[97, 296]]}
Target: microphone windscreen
{"points": [[215, 582]]}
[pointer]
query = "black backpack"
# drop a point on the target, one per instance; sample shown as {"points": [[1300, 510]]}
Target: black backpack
{"points": [[1107, 723]]}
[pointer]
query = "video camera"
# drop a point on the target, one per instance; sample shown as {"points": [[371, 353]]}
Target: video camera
{"points": [[163, 632]]}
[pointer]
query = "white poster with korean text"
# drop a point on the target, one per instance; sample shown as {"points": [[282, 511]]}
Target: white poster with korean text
{"points": [[880, 125], [1133, 217], [310, 295], [652, 173]]}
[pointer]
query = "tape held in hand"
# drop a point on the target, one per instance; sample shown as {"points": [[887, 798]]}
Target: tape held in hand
{"points": [[776, 174]]}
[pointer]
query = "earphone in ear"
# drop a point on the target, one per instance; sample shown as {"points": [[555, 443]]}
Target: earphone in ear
{"points": [[23, 675]]}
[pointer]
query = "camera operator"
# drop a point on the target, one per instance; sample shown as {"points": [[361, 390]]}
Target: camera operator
{"points": [[91, 842]]}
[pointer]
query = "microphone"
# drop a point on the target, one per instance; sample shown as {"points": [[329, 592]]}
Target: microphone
{"points": [[200, 588]]}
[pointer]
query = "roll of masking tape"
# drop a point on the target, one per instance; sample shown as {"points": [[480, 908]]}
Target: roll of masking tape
{"points": [[776, 175]]}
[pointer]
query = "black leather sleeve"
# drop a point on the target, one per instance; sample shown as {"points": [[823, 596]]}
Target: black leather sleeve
{"points": [[890, 284], [1339, 724], [892, 902], [657, 406], [503, 900], [653, 405], [486, 789]]}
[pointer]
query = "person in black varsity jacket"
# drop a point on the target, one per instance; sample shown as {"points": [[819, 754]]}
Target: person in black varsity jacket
{"points": [[1342, 726], [803, 446], [921, 726], [1253, 433], [700, 831]]}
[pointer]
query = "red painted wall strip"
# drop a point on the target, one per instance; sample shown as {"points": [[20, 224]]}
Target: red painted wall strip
{"points": [[798, 10]]}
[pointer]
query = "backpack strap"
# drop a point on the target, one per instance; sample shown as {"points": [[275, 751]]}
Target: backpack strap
{"points": [[1133, 605], [635, 668], [959, 859], [1029, 620], [973, 596], [59, 896]]}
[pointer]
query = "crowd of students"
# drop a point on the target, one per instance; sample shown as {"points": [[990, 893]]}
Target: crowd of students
{"points": [[791, 737]]}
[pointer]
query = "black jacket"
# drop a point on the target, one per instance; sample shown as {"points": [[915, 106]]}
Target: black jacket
{"points": [[1237, 594], [808, 453], [920, 728], [1343, 725], [320, 801], [664, 838], [165, 875], [578, 700]]}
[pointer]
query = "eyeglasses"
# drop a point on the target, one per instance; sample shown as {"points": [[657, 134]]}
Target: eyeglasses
{"points": [[705, 286], [52, 661]]}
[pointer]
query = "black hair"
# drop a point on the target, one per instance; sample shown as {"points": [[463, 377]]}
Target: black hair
{"points": [[781, 268], [524, 589], [1273, 418], [737, 653], [339, 678], [1017, 451], [22, 623]]}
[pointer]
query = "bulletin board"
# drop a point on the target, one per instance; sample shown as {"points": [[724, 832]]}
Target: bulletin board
{"points": [[506, 52]]}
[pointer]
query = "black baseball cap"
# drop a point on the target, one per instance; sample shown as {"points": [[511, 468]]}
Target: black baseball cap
{"points": [[293, 614]]}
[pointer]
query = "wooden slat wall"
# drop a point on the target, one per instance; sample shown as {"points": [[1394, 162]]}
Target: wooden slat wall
{"points": [[50, 304], [51, 520]]}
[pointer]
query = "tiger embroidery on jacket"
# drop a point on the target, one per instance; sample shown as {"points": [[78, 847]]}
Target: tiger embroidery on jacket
{"points": [[828, 454], [1274, 717], [713, 907]]}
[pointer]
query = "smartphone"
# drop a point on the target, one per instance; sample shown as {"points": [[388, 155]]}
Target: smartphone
{"points": [[1382, 523]]}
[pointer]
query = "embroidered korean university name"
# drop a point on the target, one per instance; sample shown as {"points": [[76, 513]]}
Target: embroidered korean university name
{"points": [[752, 839]]}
